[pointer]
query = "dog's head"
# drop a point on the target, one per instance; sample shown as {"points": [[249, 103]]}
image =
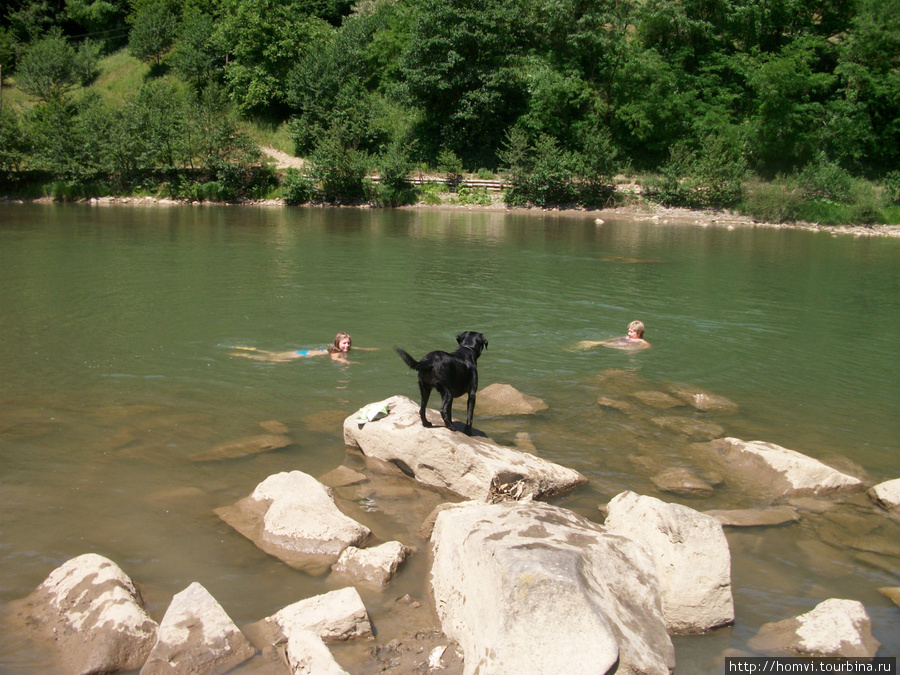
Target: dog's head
{"points": [[474, 341]]}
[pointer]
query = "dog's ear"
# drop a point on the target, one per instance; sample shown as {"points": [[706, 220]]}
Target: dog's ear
{"points": [[461, 337]]}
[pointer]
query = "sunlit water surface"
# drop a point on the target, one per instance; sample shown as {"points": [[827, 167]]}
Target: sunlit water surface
{"points": [[116, 369]]}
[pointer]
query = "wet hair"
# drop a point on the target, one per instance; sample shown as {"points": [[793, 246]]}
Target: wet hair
{"points": [[637, 327], [335, 346]]}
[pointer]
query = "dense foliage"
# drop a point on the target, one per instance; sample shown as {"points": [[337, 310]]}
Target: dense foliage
{"points": [[715, 98]]}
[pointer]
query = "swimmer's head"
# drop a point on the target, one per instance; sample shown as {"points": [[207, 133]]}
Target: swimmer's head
{"points": [[636, 329], [342, 343]]}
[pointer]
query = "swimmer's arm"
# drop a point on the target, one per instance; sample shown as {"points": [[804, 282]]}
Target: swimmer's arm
{"points": [[587, 344]]}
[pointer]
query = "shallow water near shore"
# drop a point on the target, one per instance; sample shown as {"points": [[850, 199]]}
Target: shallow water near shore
{"points": [[116, 372]]}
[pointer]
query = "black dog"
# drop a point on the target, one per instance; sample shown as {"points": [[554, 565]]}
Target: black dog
{"points": [[451, 374]]}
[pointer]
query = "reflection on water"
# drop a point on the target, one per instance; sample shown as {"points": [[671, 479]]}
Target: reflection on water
{"points": [[125, 423]]}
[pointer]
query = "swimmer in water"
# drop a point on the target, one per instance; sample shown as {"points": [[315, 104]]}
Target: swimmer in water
{"points": [[631, 342], [338, 351]]}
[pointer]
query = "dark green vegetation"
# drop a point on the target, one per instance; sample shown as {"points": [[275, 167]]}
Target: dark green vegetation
{"points": [[784, 110]]}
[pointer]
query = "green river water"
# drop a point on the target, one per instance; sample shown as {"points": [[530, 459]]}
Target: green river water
{"points": [[116, 368]]}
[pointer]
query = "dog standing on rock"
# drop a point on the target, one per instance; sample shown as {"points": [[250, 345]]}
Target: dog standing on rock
{"points": [[452, 374]]}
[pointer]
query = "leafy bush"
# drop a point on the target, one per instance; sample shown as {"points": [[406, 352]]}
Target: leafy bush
{"points": [[892, 187], [539, 173], [825, 180], [12, 141], [777, 201], [340, 170], [298, 188], [472, 196]]}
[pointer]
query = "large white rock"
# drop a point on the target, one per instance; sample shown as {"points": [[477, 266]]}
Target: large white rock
{"points": [[196, 637], [293, 517], [466, 465], [92, 613], [832, 628], [887, 494], [775, 470], [526, 587], [692, 559]]}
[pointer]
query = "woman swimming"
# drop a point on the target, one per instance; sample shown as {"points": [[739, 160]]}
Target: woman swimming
{"points": [[631, 342], [337, 351]]}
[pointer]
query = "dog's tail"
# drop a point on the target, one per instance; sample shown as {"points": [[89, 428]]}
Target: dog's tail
{"points": [[407, 359]]}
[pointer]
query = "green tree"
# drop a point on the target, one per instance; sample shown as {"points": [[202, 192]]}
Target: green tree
{"points": [[790, 91], [461, 75], [195, 57], [50, 68], [70, 139], [153, 31], [12, 140], [99, 16], [263, 39]]}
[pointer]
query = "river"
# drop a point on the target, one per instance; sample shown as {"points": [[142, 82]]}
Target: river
{"points": [[117, 368]]}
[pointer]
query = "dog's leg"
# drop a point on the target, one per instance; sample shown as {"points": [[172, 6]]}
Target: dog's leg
{"points": [[470, 404], [424, 393], [446, 404]]}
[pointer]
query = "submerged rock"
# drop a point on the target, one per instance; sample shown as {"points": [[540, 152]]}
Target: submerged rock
{"points": [[689, 426], [681, 481], [526, 587], [692, 559], [438, 457], [242, 447], [90, 611], [701, 400], [777, 515], [656, 399], [833, 628], [293, 517]]}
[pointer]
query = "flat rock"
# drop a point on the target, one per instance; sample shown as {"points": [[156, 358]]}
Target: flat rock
{"points": [[626, 407], [496, 400], [197, 637], [527, 587], [242, 447], [693, 561], [92, 614], [343, 476], [777, 515], [293, 517], [469, 466], [833, 628], [775, 470]]}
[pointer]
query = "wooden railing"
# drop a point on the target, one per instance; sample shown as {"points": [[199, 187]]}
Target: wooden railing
{"points": [[455, 183]]}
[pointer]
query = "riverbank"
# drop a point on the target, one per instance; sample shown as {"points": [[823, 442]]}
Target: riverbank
{"points": [[644, 211]]}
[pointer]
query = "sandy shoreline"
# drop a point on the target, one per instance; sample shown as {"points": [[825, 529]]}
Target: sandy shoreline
{"points": [[656, 214]]}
